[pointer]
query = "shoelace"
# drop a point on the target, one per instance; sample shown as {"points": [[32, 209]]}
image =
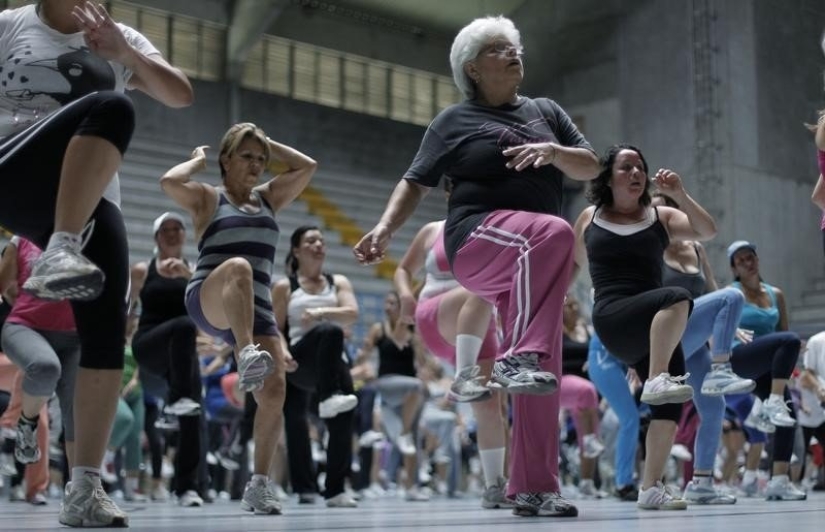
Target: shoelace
{"points": [[677, 380], [104, 501]]}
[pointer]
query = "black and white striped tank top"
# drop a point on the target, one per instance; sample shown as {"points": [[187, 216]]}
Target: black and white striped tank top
{"points": [[233, 232]]}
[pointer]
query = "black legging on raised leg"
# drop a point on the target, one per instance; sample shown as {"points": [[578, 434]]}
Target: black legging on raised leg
{"points": [[768, 357], [168, 350], [31, 162]]}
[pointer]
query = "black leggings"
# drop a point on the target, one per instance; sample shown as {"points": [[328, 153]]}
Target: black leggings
{"points": [[321, 367], [168, 350], [31, 162], [768, 357]]}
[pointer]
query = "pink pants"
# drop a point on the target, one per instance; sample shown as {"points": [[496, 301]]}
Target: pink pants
{"points": [[37, 474], [426, 323], [522, 262], [575, 395]]}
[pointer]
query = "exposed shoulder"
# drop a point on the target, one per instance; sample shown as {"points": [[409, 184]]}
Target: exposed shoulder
{"points": [[341, 281], [141, 267]]}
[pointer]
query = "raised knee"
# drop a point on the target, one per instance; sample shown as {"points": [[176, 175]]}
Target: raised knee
{"points": [[239, 269]]}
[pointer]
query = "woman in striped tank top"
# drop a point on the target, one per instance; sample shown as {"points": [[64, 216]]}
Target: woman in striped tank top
{"points": [[229, 294]]}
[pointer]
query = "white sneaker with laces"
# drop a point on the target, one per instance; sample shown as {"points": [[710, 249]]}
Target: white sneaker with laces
{"points": [[780, 488], [336, 404], [778, 412], [663, 389], [696, 493], [160, 494], [64, 273], [495, 496], [416, 495], [721, 380], [183, 407], [467, 386], [342, 500], [87, 505], [591, 446], [757, 420], [406, 444], [521, 373], [259, 498], [254, 365], [659, 497], [26, 450], [190, 499]]}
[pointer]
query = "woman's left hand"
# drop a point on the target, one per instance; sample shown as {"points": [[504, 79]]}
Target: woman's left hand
{"points": [[290, 365], [173, 267], [669, 183], [536, 154], [101, 33]]}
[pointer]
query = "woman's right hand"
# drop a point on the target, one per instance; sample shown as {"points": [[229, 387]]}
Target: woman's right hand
{"points": [[406, 312], [372, 247], [199, 156]]}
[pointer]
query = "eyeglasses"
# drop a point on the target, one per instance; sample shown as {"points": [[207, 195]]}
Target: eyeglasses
{"points": [[503, 48], [249, 158]]}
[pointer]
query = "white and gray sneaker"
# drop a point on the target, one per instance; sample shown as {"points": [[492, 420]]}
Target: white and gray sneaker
{"points": [[342, 500], [468, 387], [757, 420], [336, 404], [190, 499], [777, 412], [591, 446], [659, 497], [183, 407], [254, 365], [543, 505], [258, 497], [706, 494], [780, 488], [26, 450], [721, 380], [663, 389], [495, 496], [64, 273], [86, 505], [521, 374]]}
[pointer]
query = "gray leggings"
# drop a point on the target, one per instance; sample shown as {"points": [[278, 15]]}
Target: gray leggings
{"points": [[48, 360]]}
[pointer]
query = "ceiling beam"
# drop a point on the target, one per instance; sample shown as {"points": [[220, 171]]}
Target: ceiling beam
{"points": [[250, 19]]}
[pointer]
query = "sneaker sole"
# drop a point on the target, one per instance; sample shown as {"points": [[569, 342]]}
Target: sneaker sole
{"points": [[529, 511], [784, 499], [714, 392], [86, 287], [79, 522], [497, 505], [255, 374], [182, 412], [341, 409], [668, 397], [711, 501], [513, 387], [245, 506], [662, 507]]}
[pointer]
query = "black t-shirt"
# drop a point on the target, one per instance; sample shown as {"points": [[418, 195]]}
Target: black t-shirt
{"points": [[465, 142]]}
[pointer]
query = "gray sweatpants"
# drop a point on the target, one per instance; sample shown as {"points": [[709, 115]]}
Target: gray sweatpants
{"points": [[48, 360]]}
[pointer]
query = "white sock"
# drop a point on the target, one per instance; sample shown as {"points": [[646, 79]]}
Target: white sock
{"points": [[492, 464], [777, 397], [85, 472], [467, 348], [749, 476], [702, 480], [62, 238], [778, 478]]}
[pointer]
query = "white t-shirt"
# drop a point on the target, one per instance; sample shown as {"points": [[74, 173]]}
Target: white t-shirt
{"points": [[42, 70], [814, 361]]}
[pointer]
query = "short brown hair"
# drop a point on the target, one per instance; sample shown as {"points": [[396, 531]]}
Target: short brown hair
{"points": [[237, 134]]}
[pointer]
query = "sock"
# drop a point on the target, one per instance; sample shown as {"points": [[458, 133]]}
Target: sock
{"points": [[467, 348], [492, 464], [62, 238], [260, 478], [702, 480], [109, 457], [92, 473], [777, 397], [780, 478], [749, 476], [29, 421]]}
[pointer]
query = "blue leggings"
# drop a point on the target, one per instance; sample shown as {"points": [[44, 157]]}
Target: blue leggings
{"points": [[608, 375]]}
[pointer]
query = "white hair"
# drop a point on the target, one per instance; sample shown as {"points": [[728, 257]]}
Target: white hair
{"points": [[468, 44]]}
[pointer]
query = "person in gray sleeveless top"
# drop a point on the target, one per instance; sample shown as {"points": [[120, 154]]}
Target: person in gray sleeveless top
{"points": [[229, 294]]}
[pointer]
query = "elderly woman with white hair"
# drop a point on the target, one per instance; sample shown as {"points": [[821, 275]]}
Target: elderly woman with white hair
{"points": [[506, 155]]}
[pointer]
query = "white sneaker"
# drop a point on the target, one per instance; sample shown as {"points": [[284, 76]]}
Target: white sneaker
{"points": [[39, 499], [757, 420], [254, 365], [659, 497], [591, 446], [336, 404], [588, 490], [370, 438], [780, 488], [521, 373], [721, 380], [258, 497], [663, 389], [406, 444], [183, 407], [190, 499], [160, 494], [467, 386], [495, 496], [87, 505], [706, 494], [416, 495], [680, 452], [342, 500], [17, 493], [64, 273], [26, 450], [778, 412]]}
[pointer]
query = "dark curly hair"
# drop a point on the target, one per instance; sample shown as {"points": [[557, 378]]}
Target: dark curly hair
{"points": [[599, 192]]}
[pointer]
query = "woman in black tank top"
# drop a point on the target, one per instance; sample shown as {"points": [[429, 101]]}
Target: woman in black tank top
{"points": [[637, 319], [164, 345]]}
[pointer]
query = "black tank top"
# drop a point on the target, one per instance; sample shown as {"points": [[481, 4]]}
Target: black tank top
{"points": [[161, 298], [692, 282], [392, 360], [625, 265]]}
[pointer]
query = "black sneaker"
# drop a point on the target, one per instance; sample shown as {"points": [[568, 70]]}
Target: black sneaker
{"points": [[627, 493]]}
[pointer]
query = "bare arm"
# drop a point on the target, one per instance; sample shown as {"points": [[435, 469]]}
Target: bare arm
{"points": [[280, 302], [410, 265], [137, 276], [370, 340], [579, 249], [282, 189], [783, 310], [819, 137], [580, 164], [818, 195], [177, 183], [346, 313], [402, 203], [8, 274]]}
